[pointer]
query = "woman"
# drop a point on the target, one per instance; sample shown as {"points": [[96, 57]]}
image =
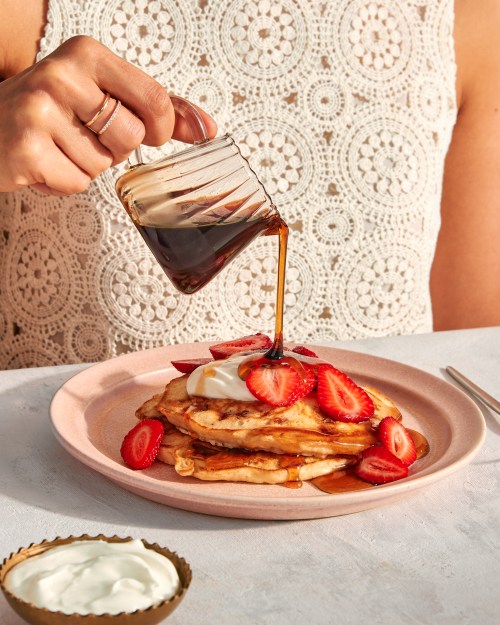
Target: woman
{"points": [[346, 110]]}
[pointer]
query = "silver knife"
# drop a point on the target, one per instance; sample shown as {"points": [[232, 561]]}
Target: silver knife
{"points": [[490, 401]]}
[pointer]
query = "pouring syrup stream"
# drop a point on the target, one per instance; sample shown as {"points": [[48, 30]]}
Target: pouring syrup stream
{"points": [[276, 351]]}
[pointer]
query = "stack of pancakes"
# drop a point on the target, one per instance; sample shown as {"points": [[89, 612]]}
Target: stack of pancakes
{"points": [[242, 441]]}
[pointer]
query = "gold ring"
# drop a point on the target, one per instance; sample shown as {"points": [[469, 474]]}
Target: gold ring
{"points": [[110, 120], [99, 113]]}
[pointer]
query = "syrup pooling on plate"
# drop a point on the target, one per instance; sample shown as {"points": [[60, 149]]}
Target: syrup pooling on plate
{"points": [[421, 443], [346, 480]]}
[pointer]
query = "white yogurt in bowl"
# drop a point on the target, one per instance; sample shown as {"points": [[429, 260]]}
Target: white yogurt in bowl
{"points": [[95, 577], [99, 580]]}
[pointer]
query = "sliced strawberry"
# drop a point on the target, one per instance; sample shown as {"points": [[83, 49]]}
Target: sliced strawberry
{"points": [[303, 351], [395, 437], [340, 398], [187, 366], [308, 382], [277, 385], [244, 344], [140, 446], [379, 466]]}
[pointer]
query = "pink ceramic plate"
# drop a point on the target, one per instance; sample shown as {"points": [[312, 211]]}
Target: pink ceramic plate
{"points": [[92, 412]]}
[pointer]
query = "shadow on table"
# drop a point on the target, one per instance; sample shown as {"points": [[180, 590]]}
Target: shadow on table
{"points": [[37, 471]]}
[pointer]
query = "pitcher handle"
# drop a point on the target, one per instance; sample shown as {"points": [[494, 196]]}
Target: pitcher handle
{"points": [[194, 120]]}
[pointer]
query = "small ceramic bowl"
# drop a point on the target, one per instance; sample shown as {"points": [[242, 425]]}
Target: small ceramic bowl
{"points": [[41, 616]]}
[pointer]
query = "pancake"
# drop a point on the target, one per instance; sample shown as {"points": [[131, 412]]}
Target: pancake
{"points": [[149, 409], [194, 458], [384, 406], [299, 429]]}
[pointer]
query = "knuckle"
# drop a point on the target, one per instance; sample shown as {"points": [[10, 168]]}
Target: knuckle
{"points": [[25, 159], [52, 77], [132, 132], [29, 123], [157, 101], [76, 181], [99, 167], [20, 180], [120, 157], [28, 151], [79, 185], [56, 72], [37, 108], [80, 46], [136, 132]]}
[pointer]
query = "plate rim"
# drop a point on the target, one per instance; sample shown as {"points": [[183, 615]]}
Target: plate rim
{"points": [[372, 497]]}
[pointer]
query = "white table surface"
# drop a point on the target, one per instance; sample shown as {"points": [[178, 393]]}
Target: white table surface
{"points": [[433, 558]]}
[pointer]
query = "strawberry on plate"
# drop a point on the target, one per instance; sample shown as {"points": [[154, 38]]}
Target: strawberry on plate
{"points": [[140, 446], [304, 351], [309, 382], [274, 384], [341, 398], [379, 466], [189, 365], [396, 438], [243, 344]]}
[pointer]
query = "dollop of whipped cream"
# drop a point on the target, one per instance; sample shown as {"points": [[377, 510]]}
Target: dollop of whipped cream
{"points": [[220, 380], [95, 577]]}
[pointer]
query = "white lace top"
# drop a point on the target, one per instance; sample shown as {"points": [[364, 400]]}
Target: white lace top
{"points": [[344, 108]]}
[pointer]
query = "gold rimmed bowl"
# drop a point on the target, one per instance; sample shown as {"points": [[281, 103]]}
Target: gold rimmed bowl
{"points": [[42, 616]]}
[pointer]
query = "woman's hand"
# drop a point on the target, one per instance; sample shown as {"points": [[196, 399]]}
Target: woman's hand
{"points": [[44, 142]]}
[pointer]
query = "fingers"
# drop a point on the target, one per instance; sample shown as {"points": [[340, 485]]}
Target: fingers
{"points": [[122, 131], [182, 130], [118, 130], [140, 94], [43, 188], [80, 100], [30, 154], [59, 175], [83, 148], [45, 137]]}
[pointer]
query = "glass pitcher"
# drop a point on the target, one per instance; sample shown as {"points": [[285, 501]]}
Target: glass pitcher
{"points": [[198, 208]]}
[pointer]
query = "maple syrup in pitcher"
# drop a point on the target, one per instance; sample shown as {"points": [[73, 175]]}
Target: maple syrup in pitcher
{"points": [[198, 208], [192, 256]]}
